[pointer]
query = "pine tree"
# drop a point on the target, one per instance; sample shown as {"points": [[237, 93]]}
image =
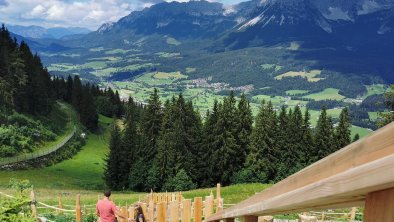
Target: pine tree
{"points": [[342, 131], [112, 174], [69, 87], [244, 121], [356, 137], [88, 114], [324, 137], [307, 141], [263, 158], [77, 94]]}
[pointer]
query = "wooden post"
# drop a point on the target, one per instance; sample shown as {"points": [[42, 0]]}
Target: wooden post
{"points": [[124, 214], [78, 213], [323, 216], [60, 205], [208, 208], [218, 207], [198, 209], [33, 204], [161, 212], [266, 219], [352, 214], [304, 218], [174, 211], [186, 210], [229, 220], [379, 206], [131, 212], [250, 218], [144, 208], [151, 212]]}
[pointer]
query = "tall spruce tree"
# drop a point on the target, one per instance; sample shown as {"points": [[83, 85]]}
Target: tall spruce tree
{"points": [[307, 141], [342, 131], [244, 121], [263, 158], [324, 137], [112, 171]]}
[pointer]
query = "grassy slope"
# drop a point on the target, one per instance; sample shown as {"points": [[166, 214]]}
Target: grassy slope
{"points": [[85, 170]]}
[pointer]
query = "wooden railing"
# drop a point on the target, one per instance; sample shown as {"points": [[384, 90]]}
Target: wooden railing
{"points": [[361, 174]]}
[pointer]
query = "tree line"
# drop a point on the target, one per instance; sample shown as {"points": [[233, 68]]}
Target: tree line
{"points": [[171, 147], [27, 87]]}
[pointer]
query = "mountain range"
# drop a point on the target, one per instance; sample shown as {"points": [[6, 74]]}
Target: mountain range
{"points": [[38, 32], [338, 34]]}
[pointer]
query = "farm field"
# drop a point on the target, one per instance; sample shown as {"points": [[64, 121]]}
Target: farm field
{"points": [[311, 76], [329, 93]]}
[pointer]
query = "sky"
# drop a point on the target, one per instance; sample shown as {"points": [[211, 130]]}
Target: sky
{"points": [[72, 13]]}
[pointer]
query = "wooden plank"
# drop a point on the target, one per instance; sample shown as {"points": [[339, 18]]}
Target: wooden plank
{"points": [[198, 209], [353, 214], [33, 204], [131, 212], [218, 206], [174, 211], [78, 213], [208, 206], [161, 212], [379, 206], [339, 180], [123, 212], [151, 211], [186, 211]]}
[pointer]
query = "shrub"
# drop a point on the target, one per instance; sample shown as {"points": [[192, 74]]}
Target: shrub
{"points": [[180, 182]]}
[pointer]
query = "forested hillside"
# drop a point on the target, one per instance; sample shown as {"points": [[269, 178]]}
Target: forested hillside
{"points": [[171, 147], [29, 114]]}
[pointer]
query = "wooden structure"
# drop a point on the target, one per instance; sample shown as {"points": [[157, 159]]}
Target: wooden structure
{"points": [[360, 174]]}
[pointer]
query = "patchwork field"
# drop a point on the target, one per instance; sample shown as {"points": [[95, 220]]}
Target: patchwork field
{"points": [[326, 94], [311, 76]]}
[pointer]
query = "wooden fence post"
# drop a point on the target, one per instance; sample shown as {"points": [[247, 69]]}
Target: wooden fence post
{"points": [[218, 207], [161, 212], [250, 218], [198, 209], [131, 212], [78, 213], [144, 208], [151, 212], [33, 204], [123, 212], [266, 219], [352, 214], [186, 210], [60, 205], [174, 211], [304, 218], [208, 206], [379, 206]]}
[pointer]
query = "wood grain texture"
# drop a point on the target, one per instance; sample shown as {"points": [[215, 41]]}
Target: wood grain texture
{"points": [[186, 211], [198, 209], [342, 179], [379, 206]]}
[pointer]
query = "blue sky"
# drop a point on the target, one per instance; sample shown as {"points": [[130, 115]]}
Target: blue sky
{"points": [[82, 13]]}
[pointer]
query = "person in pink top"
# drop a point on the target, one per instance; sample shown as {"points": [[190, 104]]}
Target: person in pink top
{"points": [[106, 209]]}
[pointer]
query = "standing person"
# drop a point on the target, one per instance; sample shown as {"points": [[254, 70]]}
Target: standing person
{"points": [[106, 209], [139, 214]]}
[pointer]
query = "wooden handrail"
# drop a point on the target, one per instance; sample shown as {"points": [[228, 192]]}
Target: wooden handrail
{"points": [[342, 179]]}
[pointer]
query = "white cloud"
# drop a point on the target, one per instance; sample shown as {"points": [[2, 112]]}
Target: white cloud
{"points": [[84, 13]]}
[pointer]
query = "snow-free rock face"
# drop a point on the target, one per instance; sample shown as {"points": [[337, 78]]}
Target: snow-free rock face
{"points": [[192, 20]]}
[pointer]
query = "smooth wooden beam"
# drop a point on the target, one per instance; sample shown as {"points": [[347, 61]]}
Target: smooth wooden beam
{"points": [[379, 206], [343, 179]]}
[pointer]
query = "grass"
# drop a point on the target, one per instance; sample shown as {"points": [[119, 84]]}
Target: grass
{"points": [[361, 131], [169, 54], [310, 76], [375, 89], [169, 75], [83, 171], [328, 93], [296, 92]]}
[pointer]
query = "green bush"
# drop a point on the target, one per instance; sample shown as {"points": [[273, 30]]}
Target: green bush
{"points": [[17, 209], [180, 182], [248, 176]]}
